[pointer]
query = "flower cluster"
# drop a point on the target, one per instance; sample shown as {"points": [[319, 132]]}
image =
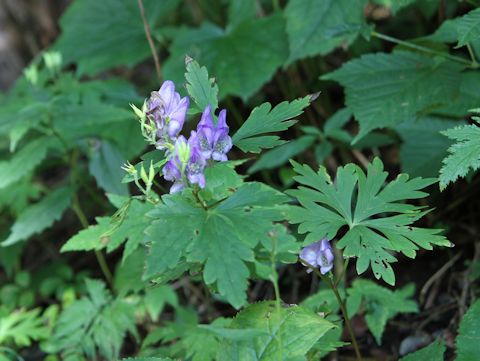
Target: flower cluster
{"points": [[318, 254], [163, 117]]}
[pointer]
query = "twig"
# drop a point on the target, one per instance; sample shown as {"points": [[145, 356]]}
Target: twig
{"points": [[150, 40]]}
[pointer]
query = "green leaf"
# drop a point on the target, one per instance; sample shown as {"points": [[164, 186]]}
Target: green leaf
{"points": [[90, 238], [468, 28], [468, 339], [288, 333], [24, 161], [379, 303], [99, 35], [105, 165], [424, 147], [395, 5], [464, 154], [263, 120], [317, 28], [147, 359], [221, 237], [240, 10], [22, 327], [249, 49], [200, 87], [281, 154], [376, 220], [383, 90], [433, 352], [39, 216]]}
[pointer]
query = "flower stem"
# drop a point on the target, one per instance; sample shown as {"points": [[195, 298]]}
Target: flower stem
{"points": [[424, 49], [148, 35], [341, 303]]}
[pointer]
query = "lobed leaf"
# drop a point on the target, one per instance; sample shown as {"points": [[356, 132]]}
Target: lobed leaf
{"points": [[200, 87]]}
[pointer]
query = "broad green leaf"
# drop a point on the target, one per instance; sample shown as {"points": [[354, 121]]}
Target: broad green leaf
{"points": [[251, 137], [373, 214], [468, 339], [22, 327], [395, 5], [433, 352], [289, 332], [105, 165], [424, 147], [468, 28], [468, 98], [99, 35], [39, 216], [242, 59], [281, 154], [379, 303], [221, 237], [383, 90], [147, 359], [17, 198], [318, 27], [200, 87], [89, 238], [24, 161], [240, 10], [464, 154]]}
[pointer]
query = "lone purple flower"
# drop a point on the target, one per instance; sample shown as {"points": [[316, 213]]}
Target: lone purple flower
{"points": [[318, 254], [167, 110], [214, 139]]}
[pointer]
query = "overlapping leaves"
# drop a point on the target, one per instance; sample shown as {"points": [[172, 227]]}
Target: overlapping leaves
{"points": [[377, 220]]}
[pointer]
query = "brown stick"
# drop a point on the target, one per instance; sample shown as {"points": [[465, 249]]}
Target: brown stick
{"points": [[148, 34]]}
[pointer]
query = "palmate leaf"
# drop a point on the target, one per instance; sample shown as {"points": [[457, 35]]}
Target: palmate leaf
{"points": [[383, 90], [251, 137], [315, 28], [464, 154], [288, 333], [220, 238], [200, 87], [468, 339], [377, 220]]}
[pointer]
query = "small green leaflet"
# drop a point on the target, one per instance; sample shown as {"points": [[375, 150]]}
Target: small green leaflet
{"points": [[383, 90], [221, 238], [433, 352], [263, 120], [468, 28], [352, 201], [288, 333], [380, 304], [90, 238], [39, 216], [315, 27], [464, 154], [22, 327], [200, 87], [468, 339]]}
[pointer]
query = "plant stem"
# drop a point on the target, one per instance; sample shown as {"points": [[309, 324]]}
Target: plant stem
{"points": [[274, 279], [424, 49], [148, 35], [341, 303], [340, 276], [472, 55], [199, 200]]}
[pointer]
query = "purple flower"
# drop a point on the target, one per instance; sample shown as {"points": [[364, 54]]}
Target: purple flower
{"points": [[318, 254], [186, 164], [167, 110], [214, 139]]}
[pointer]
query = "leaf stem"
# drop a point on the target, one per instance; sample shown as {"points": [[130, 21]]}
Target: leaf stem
{"points": [[472, 55], [424, 49], [148, 35], [341, 303]]}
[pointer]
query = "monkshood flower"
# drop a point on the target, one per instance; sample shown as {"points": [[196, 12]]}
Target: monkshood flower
{"points": [[214, 139], [186, 164], [318, 254], [168, 111]]}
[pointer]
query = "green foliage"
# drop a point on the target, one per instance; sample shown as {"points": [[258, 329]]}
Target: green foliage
{"points": [[468, 339], [433, 352], [353, 200], [263, 120], [200, 87], [281, 333], [468, 28], [383, 90], [39, 216], [379, 304], [319, 27], [464, 154], [114, 29], [96, 323], [22, 327]]}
